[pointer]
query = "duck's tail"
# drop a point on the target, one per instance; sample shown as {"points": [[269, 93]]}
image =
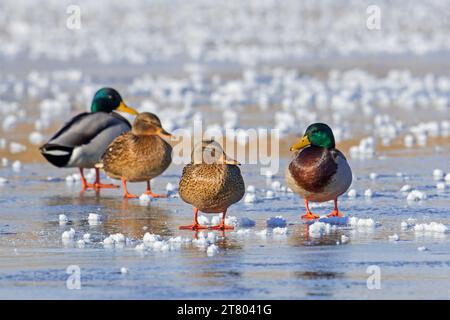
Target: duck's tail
{"points": [[56, 154]]}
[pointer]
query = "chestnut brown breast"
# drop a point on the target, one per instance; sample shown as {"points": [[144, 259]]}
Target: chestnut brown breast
{"points": [[313, 168]]}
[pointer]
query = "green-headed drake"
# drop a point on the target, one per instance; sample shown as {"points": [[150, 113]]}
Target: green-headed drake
{"points": [[318, 171], [82, 141]]}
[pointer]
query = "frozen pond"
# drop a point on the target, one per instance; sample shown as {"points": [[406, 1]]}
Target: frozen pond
{"points": [[248, 264]]}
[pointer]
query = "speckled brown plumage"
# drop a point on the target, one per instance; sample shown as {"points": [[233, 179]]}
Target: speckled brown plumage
{"points": [[137, 157], [211, 188], [313, 168]]}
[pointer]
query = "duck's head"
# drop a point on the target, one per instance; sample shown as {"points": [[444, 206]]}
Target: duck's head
{"points": [[317, 134], [210, 152], [108, 100], [148, 124]]}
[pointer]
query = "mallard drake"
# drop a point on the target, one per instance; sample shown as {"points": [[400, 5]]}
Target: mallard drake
{"points": [[82, 141], [318, 171], [140, 154], [211, 183]]}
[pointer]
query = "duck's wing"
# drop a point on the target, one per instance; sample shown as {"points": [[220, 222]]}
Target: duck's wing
{"points": [[90, 131], [337, 154], [118, 154]]}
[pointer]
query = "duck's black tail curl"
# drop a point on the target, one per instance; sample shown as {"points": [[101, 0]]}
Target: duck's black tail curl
{"points": [[57, 155]]}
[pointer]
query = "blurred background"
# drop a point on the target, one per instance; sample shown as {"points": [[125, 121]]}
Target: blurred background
{"points": [[376, 71]]}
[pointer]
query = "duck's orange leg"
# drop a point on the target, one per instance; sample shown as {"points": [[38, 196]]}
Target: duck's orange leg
{"points": [[99, 185], [309, 215], [154, 195], [126, 194], [222, 225], [84, 183], [335, 212], [195, 226]]}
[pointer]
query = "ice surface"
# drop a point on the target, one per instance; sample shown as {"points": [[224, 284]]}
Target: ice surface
{"points": [[245, 222]]}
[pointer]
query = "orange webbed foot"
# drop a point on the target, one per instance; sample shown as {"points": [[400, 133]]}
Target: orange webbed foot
{"points": [[335, 213], [154, 195], [130, 196], [105, 186], [310, 216], [194, 227], [221, 227]]}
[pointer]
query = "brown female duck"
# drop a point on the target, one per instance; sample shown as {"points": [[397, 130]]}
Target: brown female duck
{"points": [[211, 183], [139, 155]]}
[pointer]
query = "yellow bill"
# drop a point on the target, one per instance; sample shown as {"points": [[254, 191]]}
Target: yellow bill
{"points": [[124, 108], [302, 143]]}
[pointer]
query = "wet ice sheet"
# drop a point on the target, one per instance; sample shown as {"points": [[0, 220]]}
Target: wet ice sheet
{"points": [[250, 263]]}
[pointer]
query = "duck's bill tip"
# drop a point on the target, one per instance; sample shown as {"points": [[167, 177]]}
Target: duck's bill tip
{"points": [[124, 108]]}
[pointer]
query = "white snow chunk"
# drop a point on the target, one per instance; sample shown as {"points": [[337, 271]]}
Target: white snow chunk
{"points": [[68, 235], [63, 219], [262, 233], [431, 227], [276, 185], [317, 229], [151, 237], [368, 193], [438, 174], [422, 248], [145, 199], [36, 138], [250, 198], [363, 223], [406, 188], [170, 187], [140, 247], [203, 220], [94, 219], [86, 237], [275, 222], [123, 270], [280, 231], [416, 195], [251, 189], [118, 237], [441, 186], [394, 237], [344, 238], [447, 177], [17, 166], [212, 250], [270, 194], [352, 193]]}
